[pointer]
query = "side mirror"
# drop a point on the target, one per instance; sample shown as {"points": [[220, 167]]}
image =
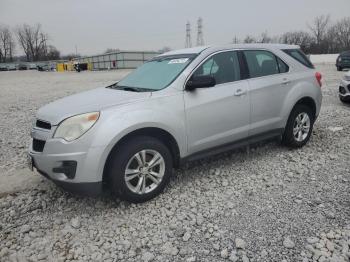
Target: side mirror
{"points": [[200, 82]]}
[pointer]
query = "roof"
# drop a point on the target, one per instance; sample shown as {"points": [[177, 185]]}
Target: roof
{"points": [[199, 49], [193, 50]]}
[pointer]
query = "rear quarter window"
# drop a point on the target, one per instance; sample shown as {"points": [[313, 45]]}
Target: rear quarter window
{"points": [[298, 55]]}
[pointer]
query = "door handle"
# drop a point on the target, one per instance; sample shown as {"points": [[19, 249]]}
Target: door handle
{"points": [[285, 81], [239, 92]]}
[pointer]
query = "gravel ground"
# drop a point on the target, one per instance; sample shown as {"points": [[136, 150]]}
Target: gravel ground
{"points": [[24, 92], [268, 203]]}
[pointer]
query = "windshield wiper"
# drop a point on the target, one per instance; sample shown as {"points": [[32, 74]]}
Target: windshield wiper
{"points": [[128, 88], [131, 89]]}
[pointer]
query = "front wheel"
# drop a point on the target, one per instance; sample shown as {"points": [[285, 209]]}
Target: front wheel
{"points": [[299, 126], [140, 169], [339, 68], [345, 100]]}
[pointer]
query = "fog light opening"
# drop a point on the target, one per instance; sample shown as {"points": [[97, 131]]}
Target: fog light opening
{"points": [[67, 169]]}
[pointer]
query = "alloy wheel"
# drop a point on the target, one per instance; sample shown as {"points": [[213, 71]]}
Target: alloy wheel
{"points": [[144, 171], [301, 127]]}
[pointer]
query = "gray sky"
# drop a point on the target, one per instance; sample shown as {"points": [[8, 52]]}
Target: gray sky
{"points": [[94, 25]]}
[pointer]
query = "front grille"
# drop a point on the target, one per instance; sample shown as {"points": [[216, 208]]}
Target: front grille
{"points": [[43, 124], [38, 145]]}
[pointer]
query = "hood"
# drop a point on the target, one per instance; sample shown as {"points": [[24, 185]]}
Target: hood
{"points": [[89, 101]]}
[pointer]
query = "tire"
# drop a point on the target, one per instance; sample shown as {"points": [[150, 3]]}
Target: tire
{"points": [[339, 68], [139, 170], [344, 100], [295, 140]]}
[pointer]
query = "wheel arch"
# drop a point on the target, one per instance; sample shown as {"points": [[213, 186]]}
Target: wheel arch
{"points": [[307, 101], [155, 132]]}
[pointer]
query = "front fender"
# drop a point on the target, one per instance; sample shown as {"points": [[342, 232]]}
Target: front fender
{"points": [[117, 124]]}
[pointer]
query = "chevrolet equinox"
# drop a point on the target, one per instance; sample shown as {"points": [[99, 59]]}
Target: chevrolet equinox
{"points": [[179, 106]]}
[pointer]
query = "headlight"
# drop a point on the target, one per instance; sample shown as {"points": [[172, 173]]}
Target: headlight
{"points": [[339, 59], [75, 126]]}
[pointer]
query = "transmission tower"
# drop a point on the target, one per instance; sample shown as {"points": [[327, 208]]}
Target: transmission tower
{"points": [[235, 40], [188, 35], [200, 40]]}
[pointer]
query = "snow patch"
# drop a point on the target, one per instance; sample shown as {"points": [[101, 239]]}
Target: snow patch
{"points": [[324, 59]]}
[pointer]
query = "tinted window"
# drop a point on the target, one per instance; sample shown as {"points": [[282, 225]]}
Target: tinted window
{"points": [[298, 55], [283, 67], [261, 63], [224, 67]]}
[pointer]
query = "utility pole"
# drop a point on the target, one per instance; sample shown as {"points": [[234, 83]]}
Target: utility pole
{"points": [[188, 35], [200, 40]]}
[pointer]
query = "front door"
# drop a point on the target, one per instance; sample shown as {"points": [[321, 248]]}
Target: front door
{"points": [[218, 115]]}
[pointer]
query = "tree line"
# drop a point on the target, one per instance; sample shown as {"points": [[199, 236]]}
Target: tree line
{"points": [[31, 39], [322, 36]]}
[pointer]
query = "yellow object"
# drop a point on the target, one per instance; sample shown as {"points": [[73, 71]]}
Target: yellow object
{"points": [[60, 67], [69, 66]]}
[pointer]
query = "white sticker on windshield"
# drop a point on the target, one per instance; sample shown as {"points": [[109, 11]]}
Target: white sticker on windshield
{"points": [[178, 61]]}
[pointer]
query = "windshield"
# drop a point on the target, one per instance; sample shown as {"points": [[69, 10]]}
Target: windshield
{"points": [[156, 74]]}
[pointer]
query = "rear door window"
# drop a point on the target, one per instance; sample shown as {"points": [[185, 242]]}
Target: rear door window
{"points": [[261, 63]]}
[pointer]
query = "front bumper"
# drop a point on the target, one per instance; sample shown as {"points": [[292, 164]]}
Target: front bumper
{"points": [[74, 166], [85, 189]]}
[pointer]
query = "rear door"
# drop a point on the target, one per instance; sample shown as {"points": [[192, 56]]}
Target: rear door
{"points": [[218, 115], [269, 84]]}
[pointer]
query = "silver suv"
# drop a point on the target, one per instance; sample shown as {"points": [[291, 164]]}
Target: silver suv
{"points": [[344, 88], [180, 106]]}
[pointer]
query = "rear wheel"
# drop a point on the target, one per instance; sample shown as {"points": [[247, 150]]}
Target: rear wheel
{"points": [[299, 126], [140, 169]]}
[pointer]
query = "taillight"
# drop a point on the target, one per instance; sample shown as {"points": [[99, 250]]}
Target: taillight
{"points": [[318, 78]]}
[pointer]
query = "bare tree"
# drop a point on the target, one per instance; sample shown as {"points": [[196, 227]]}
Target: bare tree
{"points": [[319, 27], [52, 53], [301, 38], [265, 38], [339, 35], [249, 39], [33, 41], [7, 44]]}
